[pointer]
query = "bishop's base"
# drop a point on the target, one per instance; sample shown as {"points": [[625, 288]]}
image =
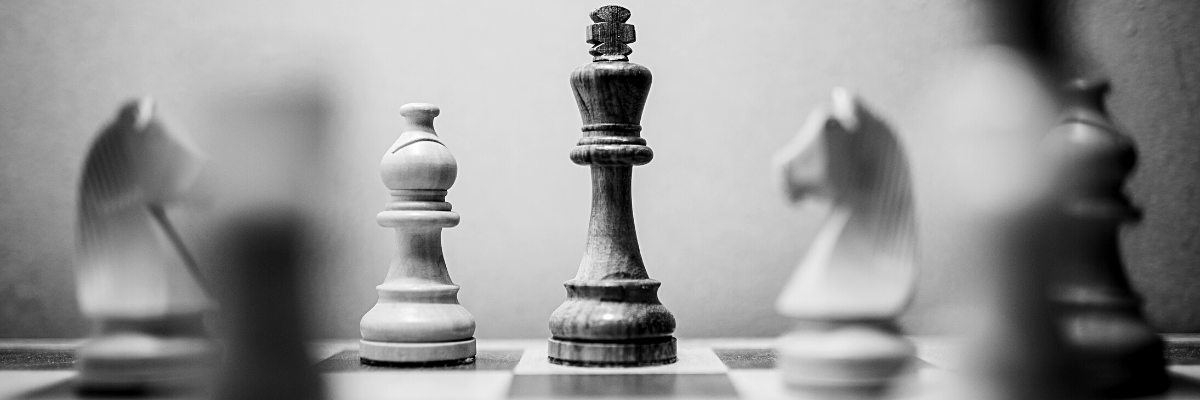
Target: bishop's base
{"points": [[1133, 370], [638, 353], [417, 354], [1116, 353]]}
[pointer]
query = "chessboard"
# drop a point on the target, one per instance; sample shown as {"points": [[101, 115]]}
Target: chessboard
{"points": [[519, 369]]}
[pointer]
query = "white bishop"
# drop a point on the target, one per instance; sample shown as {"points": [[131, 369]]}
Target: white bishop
{"points": [[418, 319]]}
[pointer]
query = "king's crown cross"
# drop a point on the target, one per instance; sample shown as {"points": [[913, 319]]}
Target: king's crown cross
{"points": [[610, 34]]}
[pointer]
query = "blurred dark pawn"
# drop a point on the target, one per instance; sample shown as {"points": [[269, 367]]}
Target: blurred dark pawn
{"points": [[1118, 354], [265, 357]]}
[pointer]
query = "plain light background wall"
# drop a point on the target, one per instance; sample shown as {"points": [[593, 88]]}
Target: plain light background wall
{"points": [[732, 83]]}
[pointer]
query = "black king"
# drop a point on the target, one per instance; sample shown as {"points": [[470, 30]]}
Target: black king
{"points": [[612, 315]]}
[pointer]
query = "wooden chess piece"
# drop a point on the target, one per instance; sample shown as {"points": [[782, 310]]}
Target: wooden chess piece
{"points": [[612, 315], [860, 271], [418, 319], [136, 279], [1118, 354]]}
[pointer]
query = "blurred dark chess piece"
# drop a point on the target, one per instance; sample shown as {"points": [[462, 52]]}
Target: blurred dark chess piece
{"points": [[612, 315], [265, 358], [998, 111], [136, 279], [418, 320], [1018, 352], [1118, 354]]}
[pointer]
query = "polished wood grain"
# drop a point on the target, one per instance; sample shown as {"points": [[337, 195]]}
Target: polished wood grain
{"points": [[1118, 353], [418, 318], [612, 315]]}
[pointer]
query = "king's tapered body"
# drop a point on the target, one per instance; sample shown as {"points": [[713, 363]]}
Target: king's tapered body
{"points": [[612, 315]]}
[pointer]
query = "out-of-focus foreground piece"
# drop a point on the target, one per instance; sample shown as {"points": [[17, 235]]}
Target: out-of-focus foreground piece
{"points": [[994, 109], [261, 252], [418, 318], [1117, 354], [133, 271], [860, 271], [612, 315]]}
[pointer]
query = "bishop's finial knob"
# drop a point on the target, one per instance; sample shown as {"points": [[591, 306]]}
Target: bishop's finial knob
{"points": [[609, 35], [419, 116], [1096, 156], [418, 160]]}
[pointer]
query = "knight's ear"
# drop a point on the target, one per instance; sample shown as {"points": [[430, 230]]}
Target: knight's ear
{"points": [[137, 115], [815, 126], [802, 165], [845, 110]]}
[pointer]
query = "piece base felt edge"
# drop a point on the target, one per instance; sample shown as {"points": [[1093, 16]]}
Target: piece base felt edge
{"points": [[416, 352], [616, 354]]}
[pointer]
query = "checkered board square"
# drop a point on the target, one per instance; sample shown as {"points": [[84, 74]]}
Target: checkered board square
{"points": [[519, 369]]}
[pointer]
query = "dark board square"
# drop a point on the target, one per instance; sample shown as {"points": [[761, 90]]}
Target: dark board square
{"points": [[37, 359], [706, 386], [485, 360], [747, 358]]}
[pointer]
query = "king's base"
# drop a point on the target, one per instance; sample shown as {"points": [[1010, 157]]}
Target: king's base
{"points": [[633, 353], [416, 354]]}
